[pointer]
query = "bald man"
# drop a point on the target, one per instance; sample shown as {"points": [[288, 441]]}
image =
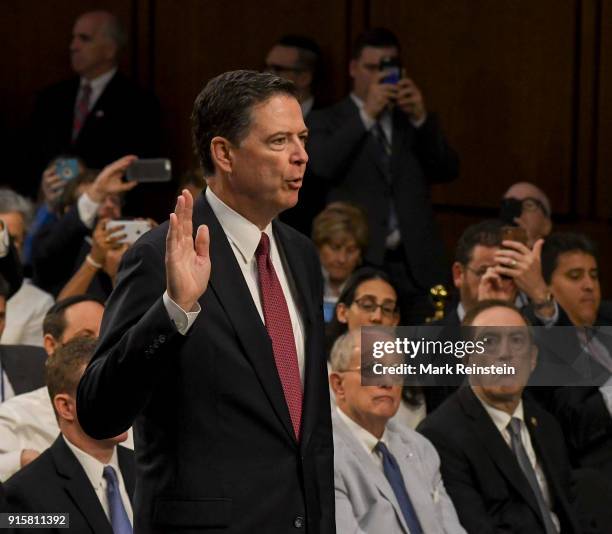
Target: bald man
{"points": [[535, 210], [99, 115]]}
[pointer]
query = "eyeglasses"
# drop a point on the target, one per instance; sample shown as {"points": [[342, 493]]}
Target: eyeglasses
{"points": [[369, 305]]}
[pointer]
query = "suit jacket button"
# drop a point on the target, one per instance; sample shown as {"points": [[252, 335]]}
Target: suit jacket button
{"points": [[298, 522], [162, 339]]}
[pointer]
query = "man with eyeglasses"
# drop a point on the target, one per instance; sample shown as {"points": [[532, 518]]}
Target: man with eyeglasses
{"points": [[387, 477], [503, 458], [530, 209]]}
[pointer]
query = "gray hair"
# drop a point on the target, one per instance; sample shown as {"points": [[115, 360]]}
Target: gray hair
{"points": [[13, 202], [343, 350], [115, 31]]}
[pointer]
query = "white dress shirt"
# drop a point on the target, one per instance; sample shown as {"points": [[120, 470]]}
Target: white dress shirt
{"points": [[244, 237], [97, 87], [94, 470], [28, 421], [501, 420], [367, 440], [25, 312], [6, 388]]}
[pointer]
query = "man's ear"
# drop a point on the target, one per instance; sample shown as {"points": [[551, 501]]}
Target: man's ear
{"points": [[342, 313], [220, 150], [65, 407], [50, 344], [335, 381], [457, 270]]}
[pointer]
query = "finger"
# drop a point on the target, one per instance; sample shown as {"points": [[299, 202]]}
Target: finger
{"points": [[125, 186], [516, 245], [202, 241], [537, 248], [172, 235], [114, 230], [507, 254], [178, 211], [187, 218]]}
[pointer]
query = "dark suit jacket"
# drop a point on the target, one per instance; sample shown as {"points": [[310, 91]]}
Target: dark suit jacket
{"points": [[56, 482], [345, 156], [482, 475], [124, 120], [216, 449], [24, 365]]}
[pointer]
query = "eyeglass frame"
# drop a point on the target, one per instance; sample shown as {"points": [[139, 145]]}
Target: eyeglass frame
{"points": [[375, 306]]}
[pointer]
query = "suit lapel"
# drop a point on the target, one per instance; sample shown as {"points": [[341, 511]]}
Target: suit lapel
{"points": [[15, 373], [227, 282], [498, 449], [79, 488], [375, 475]]}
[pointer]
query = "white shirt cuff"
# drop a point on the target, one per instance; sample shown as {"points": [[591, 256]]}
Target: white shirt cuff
{"points": [[418, 124], [181, 319], [549, 321], [88, 209], [606, 392], [4, 242], [368, 122]]}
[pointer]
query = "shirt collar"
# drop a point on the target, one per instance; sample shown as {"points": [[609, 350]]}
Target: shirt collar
{"points": [[94, 468], [500, 418], [358, 102], [240, 231], [98, 84], [367, 440], [460, 312]]}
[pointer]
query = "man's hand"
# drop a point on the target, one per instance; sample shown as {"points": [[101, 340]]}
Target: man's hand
{"points": [[524, 267], [109, 180], [104, 240], [52, 187], [113, 259], [187, 262], [493, 286], [379, 96], [410, 99], [27, 456]]}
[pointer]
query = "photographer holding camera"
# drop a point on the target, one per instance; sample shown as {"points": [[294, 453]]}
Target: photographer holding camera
{"points": [[379, 148]]}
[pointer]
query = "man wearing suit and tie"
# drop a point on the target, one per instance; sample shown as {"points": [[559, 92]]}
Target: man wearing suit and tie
{"points": [[381, 149], [220, 310], [503, 458], [387, 477], [100, 115], [91, 480]]}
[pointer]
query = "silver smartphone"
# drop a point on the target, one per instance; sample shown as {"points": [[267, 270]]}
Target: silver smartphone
{"points": [[150, 170]]}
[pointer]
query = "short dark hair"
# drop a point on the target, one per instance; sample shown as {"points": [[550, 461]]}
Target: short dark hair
{"points": [[54, 322], [309, 52], [561, 242], [64, 370], [483, 305], [486, 233], [376, 38], [223, 108]]}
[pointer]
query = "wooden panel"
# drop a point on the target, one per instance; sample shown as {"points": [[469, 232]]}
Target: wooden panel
{"points": [[501, 76], [203, 39]]}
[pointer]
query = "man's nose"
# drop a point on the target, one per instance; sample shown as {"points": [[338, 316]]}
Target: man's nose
{"points": [[300, 155]]}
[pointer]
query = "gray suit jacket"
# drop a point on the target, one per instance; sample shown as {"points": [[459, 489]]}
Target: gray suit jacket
{"points": [[365, 502]]}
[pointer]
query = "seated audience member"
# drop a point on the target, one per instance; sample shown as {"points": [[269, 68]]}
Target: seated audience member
{"points": [[26, 309], [570, 266], [57, 248], [503, 458], [27, 423], [387, 477], [484, 270], [533, 208], [369, 299], [21, 366], [91, 480], [340, 233]]}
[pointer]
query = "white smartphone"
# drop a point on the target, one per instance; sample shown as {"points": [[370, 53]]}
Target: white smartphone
{"points": [[132, 229]]}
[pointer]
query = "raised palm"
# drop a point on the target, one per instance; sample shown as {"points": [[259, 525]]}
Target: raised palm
{"points": [[187, 261]]}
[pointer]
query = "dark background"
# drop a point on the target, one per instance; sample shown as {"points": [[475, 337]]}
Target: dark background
{"points": [[523, 88]]}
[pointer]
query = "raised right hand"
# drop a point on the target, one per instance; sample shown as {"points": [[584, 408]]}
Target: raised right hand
{"points": [[187, 261], [379, 96]]}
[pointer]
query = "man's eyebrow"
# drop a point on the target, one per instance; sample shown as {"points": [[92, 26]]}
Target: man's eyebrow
{"points": [[288, 133]]}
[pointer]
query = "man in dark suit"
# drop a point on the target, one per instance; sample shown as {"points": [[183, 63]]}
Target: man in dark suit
{"points": [[245, 445], [91, 480], [381, 149], [101, 115], [503, 458], [24, 367]]}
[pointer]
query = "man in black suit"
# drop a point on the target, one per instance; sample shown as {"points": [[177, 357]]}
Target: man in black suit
{"points": [[23, 366], [91, 480], [245, 445], [381, 149], [100, 115], [503, 459]]}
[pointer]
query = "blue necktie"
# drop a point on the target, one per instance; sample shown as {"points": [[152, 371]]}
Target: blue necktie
{"points": [[396, 480], [119, 518]]}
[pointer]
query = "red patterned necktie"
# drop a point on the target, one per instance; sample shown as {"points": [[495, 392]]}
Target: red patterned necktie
{"points": [[278, 325], [81, 111]]}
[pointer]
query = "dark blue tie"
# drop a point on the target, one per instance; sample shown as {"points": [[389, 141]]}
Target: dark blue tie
{"points": [[396, 480], [119, 518]]}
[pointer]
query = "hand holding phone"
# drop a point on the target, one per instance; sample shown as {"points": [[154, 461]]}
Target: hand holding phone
{"points": [[132, 229]]}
